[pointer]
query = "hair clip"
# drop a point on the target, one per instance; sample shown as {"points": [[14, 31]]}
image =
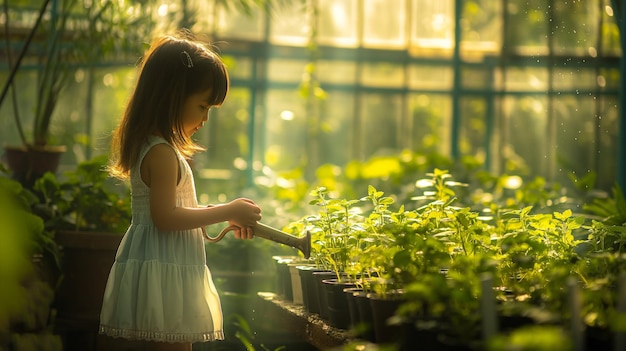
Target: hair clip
{"points": [[186, 58]]}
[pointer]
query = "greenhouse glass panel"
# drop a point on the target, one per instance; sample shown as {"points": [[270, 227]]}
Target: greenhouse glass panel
{"points": [[608, 78], [204, 15], [610, 30], [432, 27], [430, 118], [239, 67], [226, 134], [233, 24], [524, 138], [573, 79], [336, 131], [24, 80], [336, 72], [575, 137], [430, 77], [25, 16], [575, 27], [111, 90], [285, 70], [481, 27], [380, 128], [532, 16], [607, 128], [526, 79], [290, 24], [479, 78], [384, 23], [224, 167], [285, 133], [473, 125], [337, 23], [69, 125], [382, 74]]}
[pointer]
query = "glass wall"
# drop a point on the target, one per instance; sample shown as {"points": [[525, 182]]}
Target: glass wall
{"points": [[524, 86]]}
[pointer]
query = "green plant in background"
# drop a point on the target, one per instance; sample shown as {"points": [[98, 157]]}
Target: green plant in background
{"points": [[76, 33], [601, 274], [42, 240], [604, 261], [28, 263], [608, 227], [85, 199], [532, 338]]}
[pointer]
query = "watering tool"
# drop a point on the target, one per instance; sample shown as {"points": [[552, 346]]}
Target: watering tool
{"points": [[266, 232]]}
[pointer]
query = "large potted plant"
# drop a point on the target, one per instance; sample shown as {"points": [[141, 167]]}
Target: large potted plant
{"points": [[88, 212], [68, 35]]}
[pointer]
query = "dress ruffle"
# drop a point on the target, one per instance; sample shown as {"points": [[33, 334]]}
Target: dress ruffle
{"points": [[160, 337], [161, 302]]}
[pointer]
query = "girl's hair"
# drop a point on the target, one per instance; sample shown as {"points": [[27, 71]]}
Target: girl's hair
{"points": [[174, 68]]}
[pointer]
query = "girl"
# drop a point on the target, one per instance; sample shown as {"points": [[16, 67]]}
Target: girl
{"points": [[159, 288]]}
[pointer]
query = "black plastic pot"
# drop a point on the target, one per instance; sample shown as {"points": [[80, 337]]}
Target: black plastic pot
{"points": [[310, 298], [322, 298], [338, 311], [383, 308]]}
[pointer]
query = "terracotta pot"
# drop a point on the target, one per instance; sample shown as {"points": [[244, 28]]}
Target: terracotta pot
{"points": [[29, 164]]}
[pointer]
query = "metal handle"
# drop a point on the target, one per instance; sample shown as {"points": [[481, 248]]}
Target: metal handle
{"points": [[266, 232]]}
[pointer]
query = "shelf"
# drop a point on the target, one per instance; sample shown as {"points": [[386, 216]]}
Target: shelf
{"points": [[287, 316]]}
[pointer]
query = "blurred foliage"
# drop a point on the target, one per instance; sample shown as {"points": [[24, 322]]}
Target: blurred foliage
{"points": [[28, 284], [85, 199], [532, 338]]}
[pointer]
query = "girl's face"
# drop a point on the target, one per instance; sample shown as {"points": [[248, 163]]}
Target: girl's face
{"points": [[195, 112]]}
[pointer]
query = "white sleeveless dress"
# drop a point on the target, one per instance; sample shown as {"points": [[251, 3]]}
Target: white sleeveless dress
{"points": [[159, 287]]}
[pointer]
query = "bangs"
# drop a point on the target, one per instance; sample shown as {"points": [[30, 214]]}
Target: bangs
{"points": [[215, 78]]}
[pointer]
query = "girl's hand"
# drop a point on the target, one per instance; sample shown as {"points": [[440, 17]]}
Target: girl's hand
{"points": [[243, 213], [242, 233]]}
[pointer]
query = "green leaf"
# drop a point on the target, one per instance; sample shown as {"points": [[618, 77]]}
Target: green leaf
{"points": [[564, 215]]}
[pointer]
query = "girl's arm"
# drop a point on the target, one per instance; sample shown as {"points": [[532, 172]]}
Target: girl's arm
{"points": [[159, 170]]}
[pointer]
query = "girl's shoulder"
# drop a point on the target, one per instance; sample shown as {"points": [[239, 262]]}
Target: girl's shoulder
{"points": [[155, 142]]}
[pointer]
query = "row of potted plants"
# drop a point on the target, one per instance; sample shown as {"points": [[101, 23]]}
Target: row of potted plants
{"points": [[426, 254], [435, 259]]}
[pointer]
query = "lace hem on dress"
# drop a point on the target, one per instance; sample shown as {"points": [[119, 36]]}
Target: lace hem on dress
{"points": [[161, 337]]}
